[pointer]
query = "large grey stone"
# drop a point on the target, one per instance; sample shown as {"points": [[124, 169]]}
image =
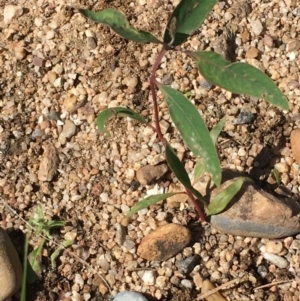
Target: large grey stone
{"points": [[257, 213], [10, 267]]}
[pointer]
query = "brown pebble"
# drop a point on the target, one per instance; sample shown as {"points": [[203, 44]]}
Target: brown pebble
{"points": [[148, 173], [49, 163], [295, 144], [252, 52], [274, 247], [208, 286], [268, 41], [164, 242]]}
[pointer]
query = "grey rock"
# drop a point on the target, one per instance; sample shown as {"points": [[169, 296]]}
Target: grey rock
{"points": [[254, 212], [10, 267], [187, 265], [129, 296]]}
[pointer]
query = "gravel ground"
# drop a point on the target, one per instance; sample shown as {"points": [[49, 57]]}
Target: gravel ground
{"points": [[58, 70]]}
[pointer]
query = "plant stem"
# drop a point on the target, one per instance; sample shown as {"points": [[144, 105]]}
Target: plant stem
{"points": [[153, 92], [153, 82], [196, 205]]}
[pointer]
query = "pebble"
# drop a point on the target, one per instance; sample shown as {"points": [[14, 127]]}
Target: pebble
{"points": [[10, 267], [120, 234], [245, 117], [164, 242], [252, 52], [11, 11], [295, 245], [274, 247], [187, 283], [295, 144], [69, 129], [187, 265], [208, 286], [149, 173], [256, 27], [256, 213], [129, 296], [148, 277], [277, 260], [49, 163]]}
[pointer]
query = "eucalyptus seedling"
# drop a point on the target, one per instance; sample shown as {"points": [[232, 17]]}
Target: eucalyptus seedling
{"points": [[237, 77]]}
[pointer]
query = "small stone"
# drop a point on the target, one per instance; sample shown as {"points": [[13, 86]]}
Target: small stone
{"points": [[175, 200], [129, 296], [274, 247], [295, 245], [130, 82], [148, 277], [198, 280], [187, 265], [245, 117], [70, 102], [10, 12], [10, 267], [149, 173], [282, 167], [49, 163], [187, 283], [295, 144], [208, 286], [279, 261], [256, 213], [164, 242], [268, 41], [69, 129], [104, 264], [252, 52], [120, 234], [256, 27]]}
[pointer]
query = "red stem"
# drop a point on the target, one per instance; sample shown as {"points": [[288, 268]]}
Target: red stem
{"points": [[157, 128], [196, 205], [153, 92]]}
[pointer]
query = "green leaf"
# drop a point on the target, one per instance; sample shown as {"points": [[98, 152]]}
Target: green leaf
{"points": [[107, 113], [240, 78], [276, 176], [180, 172], [54, 255], [177, 167], [220, 202], [148, 201], [117, 21], [193, 130], [35, 258], [215, 132], [199, 169], [185, 19]]}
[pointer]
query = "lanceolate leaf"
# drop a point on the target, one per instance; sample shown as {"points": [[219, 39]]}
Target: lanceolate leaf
{"points": [[219, 203], [199, 169], [215, 132], [177, 167], [240, 78], [150, 200], [185, 19], [180, 172], [193, 130], [117, 21], [35, 258], [107, 113]]}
